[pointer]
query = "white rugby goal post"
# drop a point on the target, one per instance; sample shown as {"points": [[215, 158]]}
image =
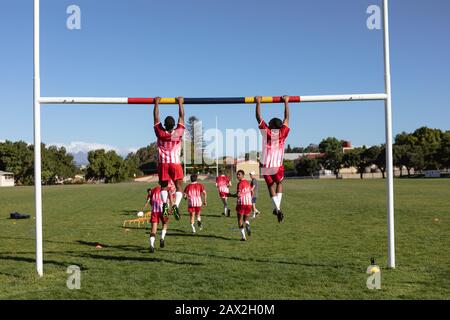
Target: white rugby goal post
{"points": [[38, 101]]}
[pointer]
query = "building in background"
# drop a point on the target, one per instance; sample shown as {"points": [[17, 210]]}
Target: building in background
{"points": [[248, 166], [6, 179]]}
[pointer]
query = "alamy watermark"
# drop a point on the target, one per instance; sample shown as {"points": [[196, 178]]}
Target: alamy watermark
{"points": [[374, 280], [209, 146], [374, 20], [73, 21], [74, 279]]}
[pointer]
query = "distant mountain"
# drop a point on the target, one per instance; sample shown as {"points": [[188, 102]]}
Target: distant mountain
{"points": [[80, 158]]}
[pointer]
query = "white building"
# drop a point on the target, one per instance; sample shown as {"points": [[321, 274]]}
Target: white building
{"points": [[6, 179]]}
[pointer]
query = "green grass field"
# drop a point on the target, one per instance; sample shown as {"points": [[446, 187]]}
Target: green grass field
{"points": [[321, 251]]}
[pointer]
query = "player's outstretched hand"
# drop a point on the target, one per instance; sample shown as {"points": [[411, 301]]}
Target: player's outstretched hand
{"points": [[180, 100], [258, 99], [286, 98]]}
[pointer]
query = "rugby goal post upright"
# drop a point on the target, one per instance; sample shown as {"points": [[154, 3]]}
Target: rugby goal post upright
{"points": [[38, 100], [388, 125], [37, 140]]}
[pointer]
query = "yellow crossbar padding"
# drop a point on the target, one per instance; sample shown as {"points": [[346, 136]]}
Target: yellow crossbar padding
{"points": [[168, 100]]}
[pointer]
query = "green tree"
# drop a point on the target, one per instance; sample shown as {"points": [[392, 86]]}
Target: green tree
{"points": [[416, 158], [361, 158], [429, 141], [106, 166], [333, 159], [194, 142], [312, 148], [17, 157], [57, 164], [443, 153], [378, 154], [424, 142], [410, 157], [399, 154], [307, 167], [405, 139], [288, 165], [298, 150], [143, 161]]}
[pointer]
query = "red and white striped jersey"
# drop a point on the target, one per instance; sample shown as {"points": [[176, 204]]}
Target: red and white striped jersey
{"points": [[194, 194], [244, 193], [273, 145], [222, 183], [156, 201], [169, 143]]}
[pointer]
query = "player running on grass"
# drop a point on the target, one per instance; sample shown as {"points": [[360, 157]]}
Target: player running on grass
{"points": [[171, 190], [193, 193], [169, 140], [274, 137], [222, 184], [244, 204], [156, 204]]}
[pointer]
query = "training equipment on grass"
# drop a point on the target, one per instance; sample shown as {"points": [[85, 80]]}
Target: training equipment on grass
{"points": [[38, 100], [142, 218]]}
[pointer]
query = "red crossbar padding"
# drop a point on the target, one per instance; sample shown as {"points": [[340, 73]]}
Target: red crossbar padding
{"points": [[141, 100], [291, 99]]}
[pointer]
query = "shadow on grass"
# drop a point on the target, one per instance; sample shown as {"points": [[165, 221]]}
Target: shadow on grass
{"points": [[127, 212], [119, 247], [140, 259], [184, 233], [134, 227], [12, 275], [305, 264], [179, 230], [198, 235], [33, 239], [212, 215], [33, 260]]}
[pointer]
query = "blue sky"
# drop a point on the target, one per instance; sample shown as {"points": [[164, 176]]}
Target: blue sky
{"points": [[201, 48]]}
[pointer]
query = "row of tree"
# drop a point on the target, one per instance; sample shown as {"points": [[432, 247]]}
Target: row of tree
{"points": [[424, 149], [18, 158], [58, 165]]}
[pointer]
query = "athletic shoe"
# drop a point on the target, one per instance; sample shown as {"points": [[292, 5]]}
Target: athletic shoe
{"points": [[247, 228], [275, 212], [280, 216], [176, 212], [161, 243], [199, 224], [229, 213], [257, 214], [223, 213], [152, 249], [165, 209], [243, 239]]}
